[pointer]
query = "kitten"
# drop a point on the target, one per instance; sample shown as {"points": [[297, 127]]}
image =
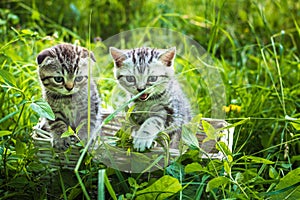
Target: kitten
{"points": [[162, 107], [63, 72]]}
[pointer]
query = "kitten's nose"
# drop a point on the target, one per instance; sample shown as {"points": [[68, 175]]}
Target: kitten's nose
{"points": [[69, 86], [140, 89], [69, 89]]}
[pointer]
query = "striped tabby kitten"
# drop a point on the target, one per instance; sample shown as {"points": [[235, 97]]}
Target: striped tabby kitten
{"points": [[63, 72], [162, 107]]}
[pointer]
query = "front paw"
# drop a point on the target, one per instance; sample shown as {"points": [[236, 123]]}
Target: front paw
{"points": [[141, 142], [63, 144]]}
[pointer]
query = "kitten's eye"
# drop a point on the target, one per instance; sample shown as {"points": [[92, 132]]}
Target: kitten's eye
{"points": [[152, 78], [130, 79], [59, 79], [78, 78]]}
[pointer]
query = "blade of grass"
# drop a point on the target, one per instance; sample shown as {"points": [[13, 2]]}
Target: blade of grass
{"points": [[89, 120], [109, 188], [89, 79], [200, 189], [62, 184], [101, 181], [279, 72], [118, 173]]}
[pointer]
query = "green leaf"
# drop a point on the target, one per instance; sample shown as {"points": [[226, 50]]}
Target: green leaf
{"points": [[230, 158], [227, 167], [27, 31], [221, 146], [289, 186], [210, 131], [273, 173], [189, 138], [68, 133], [42, 108], [239, 177], [79, 127], [217, 182], [132, 182], [75, 192], [129, 112], [194, 123], [175, 170], [235, 124], [296, 125], [258, 160], [294, 121], [4, 133], [295, 158], [161, 189], [8, 116], [35, 15], [193, 167], [18, 182], [20, 147], [13, 18], [3, 22], [7, 77], [37, 167]]}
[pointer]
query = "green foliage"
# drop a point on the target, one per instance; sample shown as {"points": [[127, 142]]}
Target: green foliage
{"points": [[256, 50], [42, 108], [288, 186], [163, 188], [217, 182]]}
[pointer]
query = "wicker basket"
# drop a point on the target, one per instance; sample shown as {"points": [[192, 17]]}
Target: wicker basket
{"points": [[119, 158]]}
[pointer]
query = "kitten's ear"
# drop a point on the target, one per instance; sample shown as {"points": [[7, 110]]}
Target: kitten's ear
{"points": [[43, 55], [168, 56], [92, 56], [118, 56], [88, 54]]}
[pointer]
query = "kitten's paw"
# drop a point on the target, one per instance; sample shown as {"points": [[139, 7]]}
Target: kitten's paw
{"points": [[63, 144], [141, 143]]}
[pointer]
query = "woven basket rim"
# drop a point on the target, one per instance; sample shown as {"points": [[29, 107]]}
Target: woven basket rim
{"points": [[46, 152]]}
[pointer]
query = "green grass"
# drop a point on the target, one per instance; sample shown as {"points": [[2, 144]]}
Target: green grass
{"points": [[256, 46]]}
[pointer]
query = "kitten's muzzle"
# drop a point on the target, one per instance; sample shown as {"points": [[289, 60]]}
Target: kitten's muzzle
{"points": [[143, 96]]}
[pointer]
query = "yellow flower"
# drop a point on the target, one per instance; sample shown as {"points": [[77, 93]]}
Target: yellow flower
{"points": [[232, 107], [226, 109]]}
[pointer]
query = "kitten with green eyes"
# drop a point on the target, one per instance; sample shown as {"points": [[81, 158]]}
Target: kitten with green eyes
{"points": [[63, 72], [162, 106]]}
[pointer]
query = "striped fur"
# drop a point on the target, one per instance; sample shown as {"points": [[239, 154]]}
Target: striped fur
{"points": [[63, 72], [163, 105]]}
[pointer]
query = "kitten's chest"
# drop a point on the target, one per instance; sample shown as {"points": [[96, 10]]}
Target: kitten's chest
{"points": [[72, 110], [143, 110]]}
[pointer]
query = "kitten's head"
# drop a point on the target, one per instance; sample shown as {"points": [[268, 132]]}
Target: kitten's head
{"points": [[141, 68], [63, 69]]}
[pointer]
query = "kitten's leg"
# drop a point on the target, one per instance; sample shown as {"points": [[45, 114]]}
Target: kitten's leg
{"points": [[95, 117], [83, 132], [43, 124], [148, 131], [58, 127], [144, 137]]}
